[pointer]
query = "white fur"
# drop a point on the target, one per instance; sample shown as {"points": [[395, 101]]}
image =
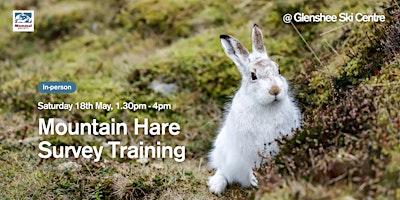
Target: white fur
{"points": [[255, 120]]}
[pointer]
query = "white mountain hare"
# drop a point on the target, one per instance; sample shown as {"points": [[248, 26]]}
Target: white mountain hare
{"points": [[261, 112]]}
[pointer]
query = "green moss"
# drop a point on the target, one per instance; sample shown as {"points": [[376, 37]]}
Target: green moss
{"points": [[171, 20]]}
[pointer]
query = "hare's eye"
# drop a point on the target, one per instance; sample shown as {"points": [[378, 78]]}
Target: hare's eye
{"points": [[253, 76], [279, 71]]}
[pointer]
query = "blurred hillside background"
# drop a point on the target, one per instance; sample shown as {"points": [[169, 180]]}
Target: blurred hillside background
{"points": [[345, 79]]}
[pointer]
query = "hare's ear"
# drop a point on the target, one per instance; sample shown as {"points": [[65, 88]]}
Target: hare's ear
{"points": [[235, 51], [257, 39]]}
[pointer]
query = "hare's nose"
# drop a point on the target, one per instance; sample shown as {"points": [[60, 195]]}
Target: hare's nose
{"points": [[274, 90]]}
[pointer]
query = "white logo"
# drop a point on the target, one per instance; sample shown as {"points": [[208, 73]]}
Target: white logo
{"points": [[23, 21]]}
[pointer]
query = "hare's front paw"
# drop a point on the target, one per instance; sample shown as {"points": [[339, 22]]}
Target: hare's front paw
{"points": [[253, 180], [217, 184]]}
